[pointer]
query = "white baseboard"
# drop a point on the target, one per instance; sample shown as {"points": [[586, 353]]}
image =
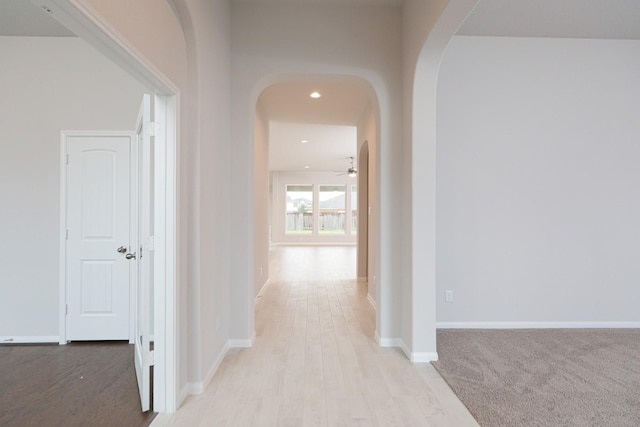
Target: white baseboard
{"points": [[242, 343], [262, 289], [200, 386], [30, 339], [388, 342], [414, 357], [371, 301], [424, 357], [182, 395], [537, 325]]}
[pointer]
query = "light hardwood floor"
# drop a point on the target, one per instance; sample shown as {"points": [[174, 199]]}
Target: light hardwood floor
{"points": [[315, 361]]}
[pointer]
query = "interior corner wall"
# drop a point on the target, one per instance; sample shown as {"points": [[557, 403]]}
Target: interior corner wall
{"points": [[48, 85], [261, 199], [537, 181], [210, 74], [368, 131]]}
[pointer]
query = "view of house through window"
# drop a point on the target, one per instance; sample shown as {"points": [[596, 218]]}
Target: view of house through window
{"points": [[332, 209], [299, 209], [321, 209]]}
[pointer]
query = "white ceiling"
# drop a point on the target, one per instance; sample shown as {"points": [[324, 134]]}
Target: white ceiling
{"points": [[604, 19], [328, 123], [327, 149], [342, 103], [23, 18]]}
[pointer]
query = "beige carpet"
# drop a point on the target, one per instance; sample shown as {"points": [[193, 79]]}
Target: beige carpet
{"points": [[552, 377]]}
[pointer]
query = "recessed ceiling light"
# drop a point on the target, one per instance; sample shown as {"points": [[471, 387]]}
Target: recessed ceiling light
{"points": [[315, 95], [306, 166], [303, 141]]}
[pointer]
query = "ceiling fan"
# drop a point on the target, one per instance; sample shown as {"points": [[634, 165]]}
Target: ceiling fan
{"points": [[352, 171]]}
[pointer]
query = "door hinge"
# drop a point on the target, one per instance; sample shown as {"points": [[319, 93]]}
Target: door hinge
{"points": [[66, 309], [148, 358], [151, 128], [66, 234], [67, 160]]}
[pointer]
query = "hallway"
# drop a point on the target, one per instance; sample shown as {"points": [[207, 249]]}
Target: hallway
{"points": [[315, 361]]}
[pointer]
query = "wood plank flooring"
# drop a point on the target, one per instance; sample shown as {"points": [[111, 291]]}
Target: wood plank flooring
{"points": [[315, 361], [78, 384]]}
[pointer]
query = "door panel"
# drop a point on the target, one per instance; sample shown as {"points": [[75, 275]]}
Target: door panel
{"points": [[143, 357], [98, 206]]}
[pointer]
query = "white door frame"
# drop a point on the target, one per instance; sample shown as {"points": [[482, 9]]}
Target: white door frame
{"points": [[81, 18], [133, 222]]}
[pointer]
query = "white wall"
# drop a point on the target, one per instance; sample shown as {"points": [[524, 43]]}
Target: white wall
{"points": [[261, 205], [537, 183], [207, 28], [48, 85], [271, 43]]}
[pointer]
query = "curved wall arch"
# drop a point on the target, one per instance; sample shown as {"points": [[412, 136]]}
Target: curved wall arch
{"points": [[255, 93], [272, 44], [420, 329]]}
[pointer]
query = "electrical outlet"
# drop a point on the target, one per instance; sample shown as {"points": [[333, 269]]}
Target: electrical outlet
{"points": [[448, 296], [260, 271]]}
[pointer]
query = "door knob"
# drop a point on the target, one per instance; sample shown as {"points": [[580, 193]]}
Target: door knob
{"points": [[131, 256], [122, 249]]}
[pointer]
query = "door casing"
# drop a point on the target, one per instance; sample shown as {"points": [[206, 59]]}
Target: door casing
{"points": [[84, 21]]}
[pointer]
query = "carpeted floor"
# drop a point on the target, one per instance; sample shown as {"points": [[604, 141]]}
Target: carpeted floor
{"points": [[550, 377]]}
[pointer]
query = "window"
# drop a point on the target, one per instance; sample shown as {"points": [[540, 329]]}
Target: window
{"points": [[299, 209], [332, 209]]}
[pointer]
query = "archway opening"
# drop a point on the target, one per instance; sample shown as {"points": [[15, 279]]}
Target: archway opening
{"points": [[313, 171]]}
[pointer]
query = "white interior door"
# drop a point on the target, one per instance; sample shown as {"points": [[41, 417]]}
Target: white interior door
{"points": [[143, 352], [98, 237]]}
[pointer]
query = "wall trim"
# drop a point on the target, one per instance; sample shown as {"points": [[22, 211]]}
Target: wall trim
{"points": [[371, 301], [242, 343], [539, 325], [414, 357], [424, 357], [261, 291], [389, 342], [30, 339], [200, 386], [183, 394]]}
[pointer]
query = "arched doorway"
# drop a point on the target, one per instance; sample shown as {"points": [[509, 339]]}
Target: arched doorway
{"points": [[359, 112]]}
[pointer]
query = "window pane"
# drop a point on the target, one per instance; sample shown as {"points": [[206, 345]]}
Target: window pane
{"points": [[299, 209], [354, 209], [332, 209]]}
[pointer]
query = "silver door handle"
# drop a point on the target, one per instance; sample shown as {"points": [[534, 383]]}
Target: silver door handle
{"points": [[131, 256], [122, 249]]}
